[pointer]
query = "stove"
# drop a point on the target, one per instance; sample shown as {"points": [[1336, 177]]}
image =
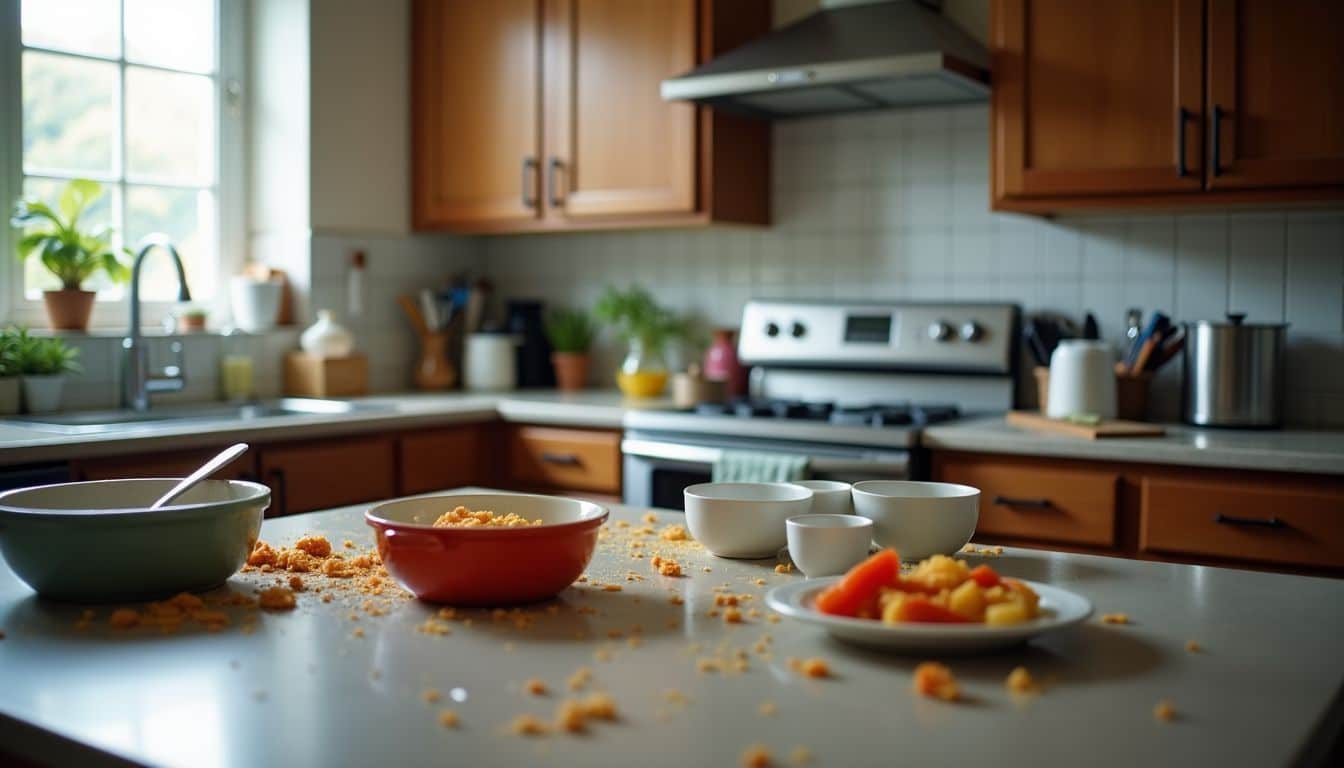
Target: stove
{"points": [[849, 385]]}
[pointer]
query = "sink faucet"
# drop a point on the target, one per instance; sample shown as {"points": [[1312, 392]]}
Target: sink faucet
{"points": [[137, 380]]}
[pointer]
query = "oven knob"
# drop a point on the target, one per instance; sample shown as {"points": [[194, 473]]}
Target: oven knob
{"points": [[971, 331], [771, 330], [798, 330], [940, 331]]}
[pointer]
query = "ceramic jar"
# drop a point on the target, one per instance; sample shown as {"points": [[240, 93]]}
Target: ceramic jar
{"points": [[326, 337], [721, 363], [1082, 380]]}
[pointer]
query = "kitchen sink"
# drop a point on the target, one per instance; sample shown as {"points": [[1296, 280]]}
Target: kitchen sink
{"points": [[95, 422]]}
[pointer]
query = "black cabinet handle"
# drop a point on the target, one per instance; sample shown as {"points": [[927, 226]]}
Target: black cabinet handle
{"points": [[1009, 501], [563, 459], [553, 168], [1182, 114], [529, 182], [1218, 115], [279, 495], [1259, 522]]}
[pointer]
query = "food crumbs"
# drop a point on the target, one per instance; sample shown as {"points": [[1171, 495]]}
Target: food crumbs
{"points": [[580, 678], [296, 583], [676, 600], [757, 756], [772, 618], [277, 599], [784, 568], [124, 618], [317, 546], [431, 695], [569, 716], [357, 632], [1114, 618], [673, 533], [611, 587], [599, 706], [1164, 711], [1193, 647], [935, 681], [707, 569], [448, 718], [767, 709], [1020, 681], [461, 517], [815, 668], [535, 687], [800, 756], [528, 725], [760, 582], [665, 566], [706, 666], [650, 518], [732, 616]]}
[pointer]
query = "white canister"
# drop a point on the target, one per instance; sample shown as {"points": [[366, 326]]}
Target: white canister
{"points": [[326, 337], [490, 362], [255, 303], [42, 394], [1082, 380]]}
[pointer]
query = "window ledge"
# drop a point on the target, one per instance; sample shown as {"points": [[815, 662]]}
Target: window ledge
{"points": [[159, 332]]}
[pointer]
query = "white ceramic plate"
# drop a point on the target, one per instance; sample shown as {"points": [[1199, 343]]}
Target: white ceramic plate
{"points": [[1059, 609]]}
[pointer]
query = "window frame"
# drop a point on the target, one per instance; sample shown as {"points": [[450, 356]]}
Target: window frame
{"points": [[229, 185]]}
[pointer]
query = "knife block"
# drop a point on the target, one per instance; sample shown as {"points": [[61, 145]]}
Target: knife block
{"points": [[1131, 395]]}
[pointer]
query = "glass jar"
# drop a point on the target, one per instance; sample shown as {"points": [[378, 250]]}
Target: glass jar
{"points": [[236, 374], [643, 372]]}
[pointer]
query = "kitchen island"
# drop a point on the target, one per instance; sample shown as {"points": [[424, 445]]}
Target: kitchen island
{"points": [[365, 678]]}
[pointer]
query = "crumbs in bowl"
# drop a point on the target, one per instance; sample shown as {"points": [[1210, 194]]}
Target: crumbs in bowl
{"points": [[461, 517]]}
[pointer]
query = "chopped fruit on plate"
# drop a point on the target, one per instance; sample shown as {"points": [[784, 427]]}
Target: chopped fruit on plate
{"points": [[935, 681], [940, 590]]}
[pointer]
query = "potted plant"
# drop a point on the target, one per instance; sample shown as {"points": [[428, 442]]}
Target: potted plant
{"points": [[44, 363], [647, 328], [9, 371], [72, 253], [570, 332]]}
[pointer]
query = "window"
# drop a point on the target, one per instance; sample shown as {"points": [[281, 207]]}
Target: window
{"points": [[131, 93]]}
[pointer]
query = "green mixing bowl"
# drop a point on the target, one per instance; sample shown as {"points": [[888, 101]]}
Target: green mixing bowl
{"points": [[99, 541]]}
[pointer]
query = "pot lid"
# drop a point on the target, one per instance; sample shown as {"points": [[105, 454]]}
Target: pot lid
{"points": [[1234, 320]]}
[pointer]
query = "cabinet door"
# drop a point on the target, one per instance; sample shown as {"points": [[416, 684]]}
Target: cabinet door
{"points": [[1096, 98], [438, 459], [1276, 81], [614, 146], [177, 464], [333, 473], [476, 101]]}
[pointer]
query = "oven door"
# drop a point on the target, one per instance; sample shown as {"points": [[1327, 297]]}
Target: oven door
{"points": [[658, 469]]}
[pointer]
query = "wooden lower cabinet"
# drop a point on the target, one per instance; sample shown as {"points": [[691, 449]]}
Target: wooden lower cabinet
{"points": [[1267, 520], [175, 464], [447, 457], [553, 459], [333, 472]]}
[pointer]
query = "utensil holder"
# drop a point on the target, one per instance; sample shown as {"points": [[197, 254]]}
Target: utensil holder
{"points": [[1131, 395], [433, 370]]}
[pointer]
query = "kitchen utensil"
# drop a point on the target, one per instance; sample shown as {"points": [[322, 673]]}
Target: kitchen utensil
{"points": [[1233, 373], [1042, 376], [429, 309], [1147, 339], [1133, 327], [829, 497], [413, 313], [533, 349], [1107, 428], [485, 565], [1082, 380], [1171, 346], [918, 519], [99, 541], [1091, 330], [1035, 345], [744, 520], [489, 362], [824, 545], [218, 462], [1059, 609]]}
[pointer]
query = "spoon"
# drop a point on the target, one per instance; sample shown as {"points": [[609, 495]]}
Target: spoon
{"points": [[207, 469]]}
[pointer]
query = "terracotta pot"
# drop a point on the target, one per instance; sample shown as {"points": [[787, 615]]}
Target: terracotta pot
{"points": [[68, 310], [571, 370]]}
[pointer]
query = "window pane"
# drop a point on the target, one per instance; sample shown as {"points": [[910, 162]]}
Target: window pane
{"points": [[69, 114], [36, 278], [186, 216], [169, 127], [79, 26], [171, 33]]}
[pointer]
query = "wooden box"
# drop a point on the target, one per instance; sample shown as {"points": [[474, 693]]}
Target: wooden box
{"points": [[313, 376]]}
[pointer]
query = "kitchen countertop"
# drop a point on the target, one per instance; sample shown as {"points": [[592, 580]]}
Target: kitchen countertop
{"points": [[22, 445], [303, 689], [1287, 450]]}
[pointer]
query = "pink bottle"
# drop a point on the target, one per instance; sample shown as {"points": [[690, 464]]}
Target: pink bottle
{"points": [[721, 363]]}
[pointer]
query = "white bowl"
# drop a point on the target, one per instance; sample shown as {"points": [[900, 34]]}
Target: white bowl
{"points": [[826, 545], [829, 497], [919, 519], [743, 520]]}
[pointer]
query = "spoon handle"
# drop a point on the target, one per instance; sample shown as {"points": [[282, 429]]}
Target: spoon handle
{"points": [[209, 468]]}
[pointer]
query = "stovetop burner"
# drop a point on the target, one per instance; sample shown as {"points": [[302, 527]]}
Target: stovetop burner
{"points": [[875, 415]]}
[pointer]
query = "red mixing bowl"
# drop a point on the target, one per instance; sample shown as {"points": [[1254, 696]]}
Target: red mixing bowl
{"points": [[485, 565]]}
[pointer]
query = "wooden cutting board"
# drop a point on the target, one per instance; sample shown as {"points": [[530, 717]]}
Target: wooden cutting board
{"points": [[1039, 422]]}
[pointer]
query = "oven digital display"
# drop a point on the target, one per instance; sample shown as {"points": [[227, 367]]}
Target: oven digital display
{"points": [[868, 329]]}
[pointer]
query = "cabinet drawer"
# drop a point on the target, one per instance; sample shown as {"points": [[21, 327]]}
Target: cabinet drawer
{"points": [[1276, 525], [566, 458], [1021, 501], [442, 458]]}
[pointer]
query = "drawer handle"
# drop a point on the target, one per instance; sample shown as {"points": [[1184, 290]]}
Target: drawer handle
{"points": [[562, 459], [1009, 501], [1261, 522]]}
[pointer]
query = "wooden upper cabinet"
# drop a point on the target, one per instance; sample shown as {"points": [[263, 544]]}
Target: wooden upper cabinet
{"points": [[614, 146], [476, 94], [1091, 98], [1276, 81]]}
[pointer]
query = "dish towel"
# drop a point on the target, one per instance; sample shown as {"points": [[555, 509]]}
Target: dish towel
{"points": [[751, 467]]}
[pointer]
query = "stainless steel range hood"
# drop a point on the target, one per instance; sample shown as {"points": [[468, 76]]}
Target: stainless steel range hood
{"points": [[852, 55]]}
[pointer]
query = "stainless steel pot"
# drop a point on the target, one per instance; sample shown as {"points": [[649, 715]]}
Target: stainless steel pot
{"points": [[1233, 373]]}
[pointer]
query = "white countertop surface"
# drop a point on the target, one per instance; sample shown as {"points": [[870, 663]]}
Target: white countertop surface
{"points": [[303, 690], [1287, 450], [596, 408]]}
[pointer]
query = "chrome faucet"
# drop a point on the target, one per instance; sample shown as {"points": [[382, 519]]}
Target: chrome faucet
{"points": [[137, 380]]}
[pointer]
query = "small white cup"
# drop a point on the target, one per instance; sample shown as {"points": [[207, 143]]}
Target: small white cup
{"points": [[829, 497], [826, 545]]}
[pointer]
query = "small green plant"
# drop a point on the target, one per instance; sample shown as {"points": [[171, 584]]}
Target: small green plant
{"points": [[45, 356], [10, 359], [71, 254], [570, 330], [637, 317]]}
